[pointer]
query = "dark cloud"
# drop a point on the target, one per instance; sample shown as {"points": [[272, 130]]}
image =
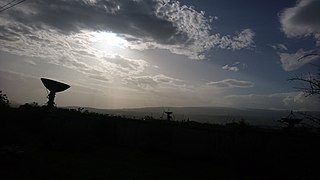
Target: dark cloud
{"points": [[135, 18], [149, 24], [308, 15], [302, 19]]}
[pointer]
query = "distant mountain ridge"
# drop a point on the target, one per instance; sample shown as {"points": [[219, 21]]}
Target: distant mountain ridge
{"points": [[217, 115]]}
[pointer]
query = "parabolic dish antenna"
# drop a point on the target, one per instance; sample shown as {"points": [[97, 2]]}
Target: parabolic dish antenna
{"points": [[54, 87], [291, 120], [168, 113]]}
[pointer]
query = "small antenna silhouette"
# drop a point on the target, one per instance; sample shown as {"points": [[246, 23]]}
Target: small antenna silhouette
{"points": [[168, 115], [291, 120], [54, 87]]}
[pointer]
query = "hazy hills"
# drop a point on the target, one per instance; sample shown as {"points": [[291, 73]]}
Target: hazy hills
{"points": [[219, 115]]}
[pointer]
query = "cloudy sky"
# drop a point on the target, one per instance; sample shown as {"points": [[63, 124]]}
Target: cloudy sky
{"points": [[136, 53]]}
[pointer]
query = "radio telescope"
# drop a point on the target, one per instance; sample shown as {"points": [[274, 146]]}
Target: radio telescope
{"points": [[291, 120], [169, 115], [54, 87]]}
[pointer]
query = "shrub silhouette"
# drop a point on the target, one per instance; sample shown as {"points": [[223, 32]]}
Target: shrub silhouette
{"points": [[4, 101], [78, 144]]}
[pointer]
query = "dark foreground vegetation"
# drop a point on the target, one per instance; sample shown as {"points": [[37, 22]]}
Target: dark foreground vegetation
{"points": [[42, 143]]}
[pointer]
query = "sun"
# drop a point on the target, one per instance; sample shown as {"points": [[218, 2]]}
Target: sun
{"points": [[109, 39]]}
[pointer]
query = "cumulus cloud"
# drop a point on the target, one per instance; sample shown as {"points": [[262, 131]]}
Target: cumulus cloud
{"points": [[244, 39], [231, 83], [289, 100], [165, 24], [293, 61], [235, 66], [230, 68], [302, 20]]}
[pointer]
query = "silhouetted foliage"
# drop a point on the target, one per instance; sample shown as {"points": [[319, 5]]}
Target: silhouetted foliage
{"points": [[82, 110], [312, 121], [4, 101], [311, 87], [310, 82], [78, 144]]}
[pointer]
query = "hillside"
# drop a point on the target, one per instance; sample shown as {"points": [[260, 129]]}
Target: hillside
{"points": [[42, 143]]}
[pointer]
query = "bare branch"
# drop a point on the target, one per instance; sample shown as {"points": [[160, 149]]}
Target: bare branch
{"points": [[310, 84], [307, 55]]}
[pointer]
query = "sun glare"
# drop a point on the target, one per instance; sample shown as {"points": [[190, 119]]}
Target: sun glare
{"points": [[109, 39]]}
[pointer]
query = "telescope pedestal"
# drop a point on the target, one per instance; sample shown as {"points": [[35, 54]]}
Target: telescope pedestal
{"points": [[51, 97]]}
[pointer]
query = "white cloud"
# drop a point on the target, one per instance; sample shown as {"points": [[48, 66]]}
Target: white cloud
{"points": [[293, 61], [236, 66], [230, 68], [241, 40], [280, 47], [231, 83], [144, 82], [126, 65], [194, 28], [289, 100]]}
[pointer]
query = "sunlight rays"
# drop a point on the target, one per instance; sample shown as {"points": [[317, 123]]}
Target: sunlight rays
{"points": [[108, 39]]}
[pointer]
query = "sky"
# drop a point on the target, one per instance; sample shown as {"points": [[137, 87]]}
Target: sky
{"points": [[136, 53]]}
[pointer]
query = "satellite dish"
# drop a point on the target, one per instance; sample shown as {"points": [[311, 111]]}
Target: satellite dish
{"points": [[168, 114], [291, 120], [54, 87]]}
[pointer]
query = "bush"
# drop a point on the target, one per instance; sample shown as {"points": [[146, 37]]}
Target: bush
{"points": [[4, 102]]}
